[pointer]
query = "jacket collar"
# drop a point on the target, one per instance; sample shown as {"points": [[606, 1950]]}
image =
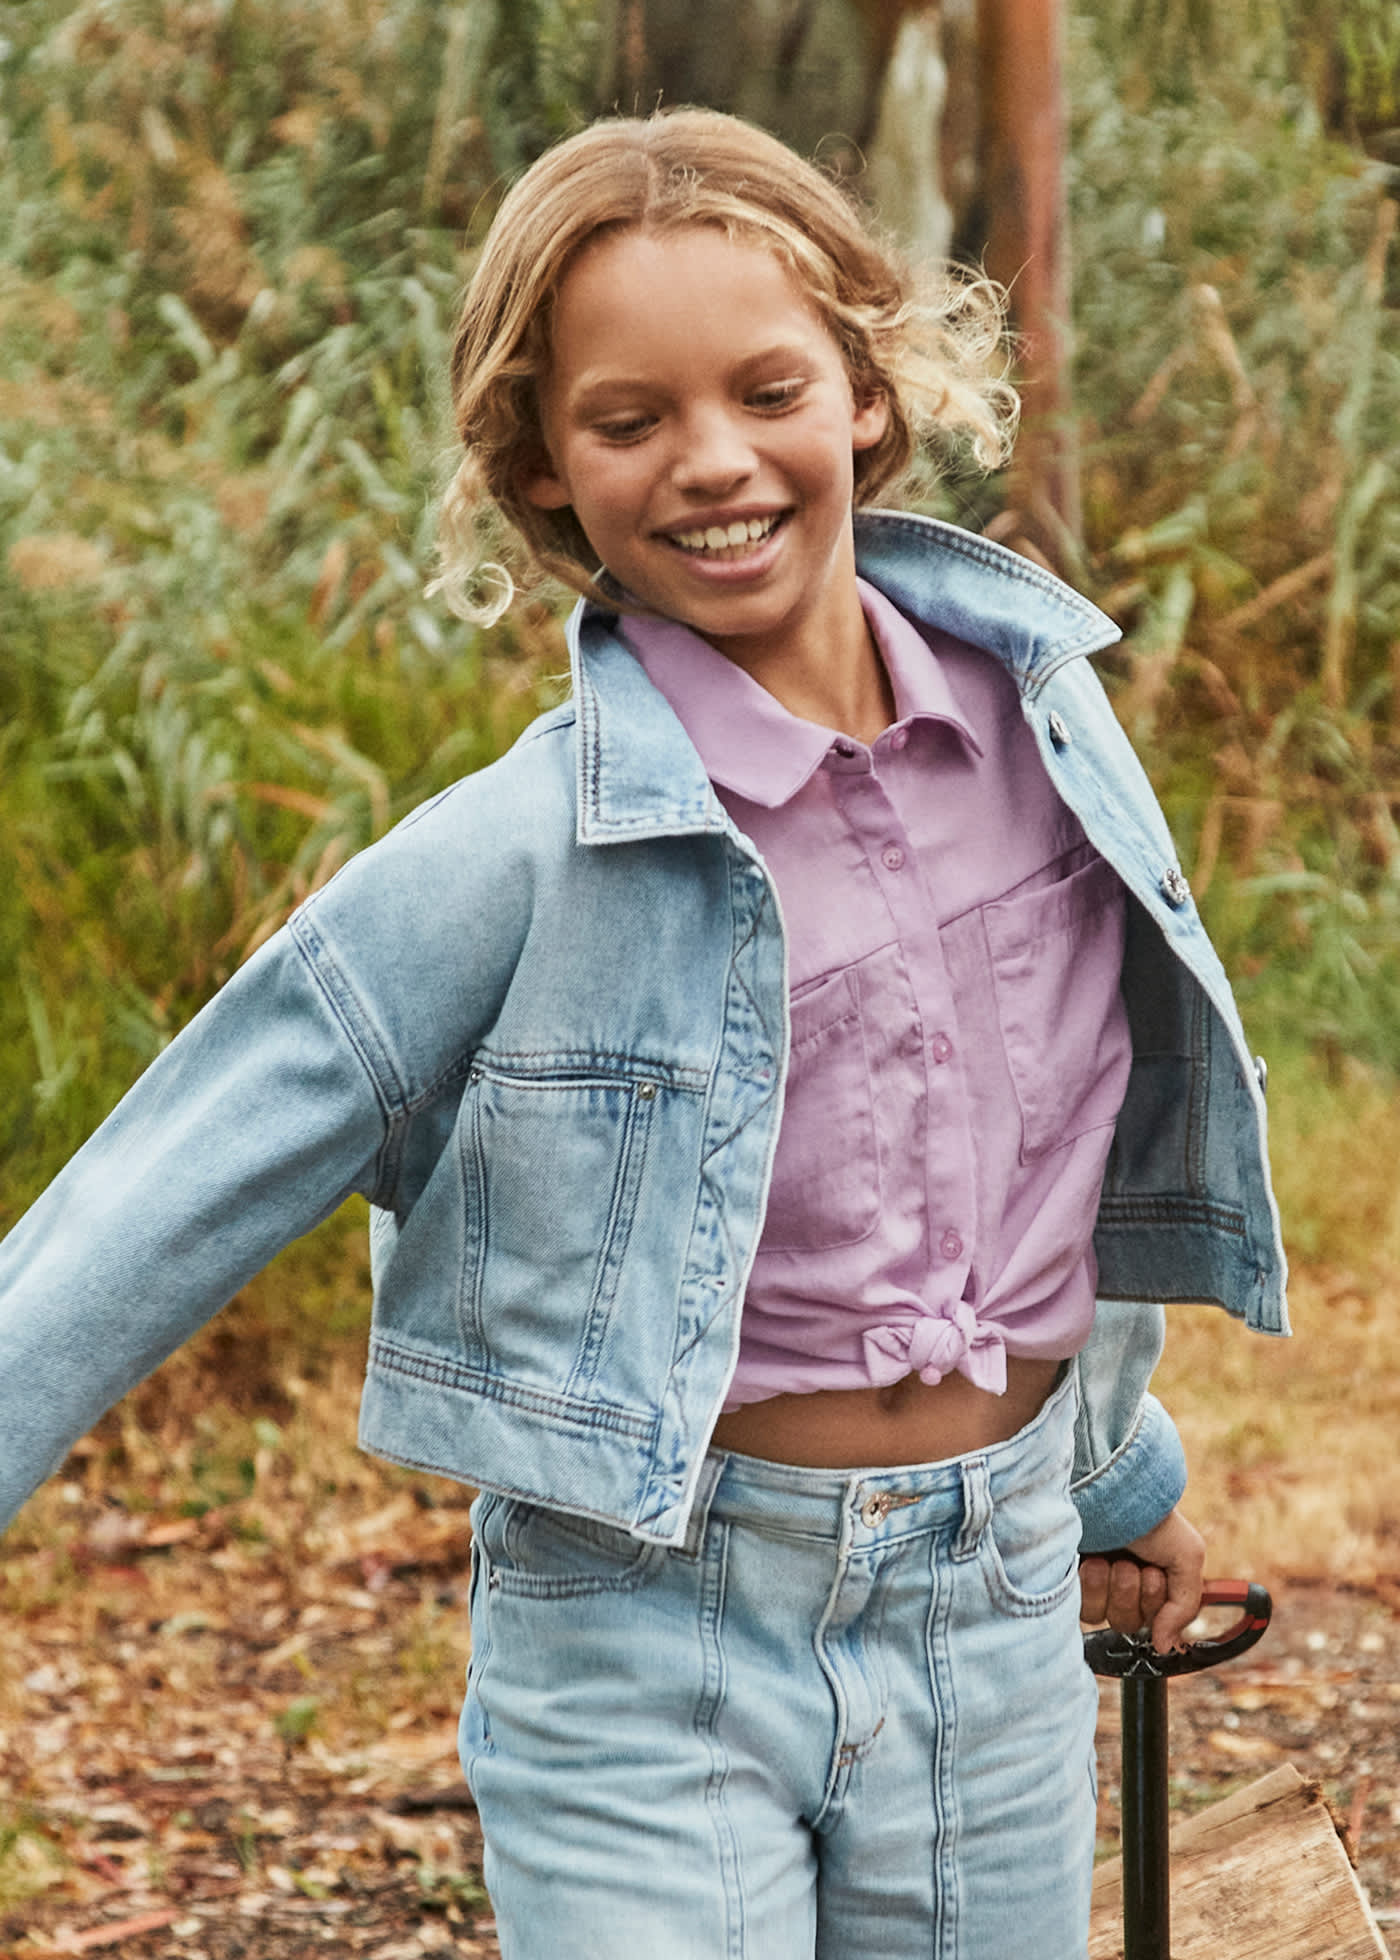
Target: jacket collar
{"points": [[639, 773]]}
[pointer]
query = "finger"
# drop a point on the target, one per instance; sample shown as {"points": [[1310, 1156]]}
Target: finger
{"points": [[1125, 1614], [1093, 1591], [1170, 1621], [1181, 1605], [1140, 1593]]}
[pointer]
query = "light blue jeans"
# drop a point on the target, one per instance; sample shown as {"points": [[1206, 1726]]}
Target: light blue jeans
{"points": [[849, 1717]]}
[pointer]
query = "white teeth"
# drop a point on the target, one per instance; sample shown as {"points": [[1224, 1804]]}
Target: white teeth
{"points": [[726, 537]]}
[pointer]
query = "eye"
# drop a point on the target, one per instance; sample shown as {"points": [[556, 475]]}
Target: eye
{"points": [[773, 397], [624, 428]]}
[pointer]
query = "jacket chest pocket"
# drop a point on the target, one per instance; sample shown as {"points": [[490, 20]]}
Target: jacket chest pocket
{"points": [[552, 1169], [826, 1176], [1057, 958]]}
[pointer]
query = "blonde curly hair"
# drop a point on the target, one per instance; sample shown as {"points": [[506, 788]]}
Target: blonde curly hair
{"points": [[936, 355]]}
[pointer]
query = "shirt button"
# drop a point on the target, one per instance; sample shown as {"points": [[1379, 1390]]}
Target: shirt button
{"points": [[940, 1048], [844, 748], [899, 738], [950, 1245], [892, 857]]}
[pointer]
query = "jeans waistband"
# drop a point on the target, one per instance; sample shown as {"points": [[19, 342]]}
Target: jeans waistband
{"points": [[870, 1505]]}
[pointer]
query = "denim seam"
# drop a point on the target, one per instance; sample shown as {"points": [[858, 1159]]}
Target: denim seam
{"points": [[943, 1787], [1172, 1210], [714, 1576], [627, 1180], [982, 552], [1104, 1469], [544, 1065], [365, 1044], [440, 1372]]}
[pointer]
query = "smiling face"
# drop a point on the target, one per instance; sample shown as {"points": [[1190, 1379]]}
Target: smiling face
{"points": [[699, 420]]}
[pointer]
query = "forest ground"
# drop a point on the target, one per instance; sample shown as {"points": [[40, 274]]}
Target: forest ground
{"points": [[231, 1735]]}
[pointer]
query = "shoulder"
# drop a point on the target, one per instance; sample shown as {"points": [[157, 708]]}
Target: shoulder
{"points": [[470, 851]]}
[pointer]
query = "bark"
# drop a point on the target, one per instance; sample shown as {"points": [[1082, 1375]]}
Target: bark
{"points": [[1024, 135]]}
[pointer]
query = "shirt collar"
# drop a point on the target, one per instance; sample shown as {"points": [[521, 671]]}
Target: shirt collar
{"points": [[751, 744]]}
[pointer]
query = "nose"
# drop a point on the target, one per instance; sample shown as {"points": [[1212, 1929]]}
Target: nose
{"points": [[714, 454]]}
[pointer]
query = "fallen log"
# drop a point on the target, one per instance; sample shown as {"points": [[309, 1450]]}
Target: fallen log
{"points": [[1262, 1875]]}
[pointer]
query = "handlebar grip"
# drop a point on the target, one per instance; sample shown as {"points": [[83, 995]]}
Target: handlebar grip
{"points": [[1120, 1654]]}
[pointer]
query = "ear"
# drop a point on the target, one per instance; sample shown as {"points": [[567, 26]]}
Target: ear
{"points": [[871, 419], [544, 489], [537, 477]]}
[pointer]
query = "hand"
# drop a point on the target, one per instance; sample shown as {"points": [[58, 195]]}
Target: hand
{"points": [[1158, 1587]]}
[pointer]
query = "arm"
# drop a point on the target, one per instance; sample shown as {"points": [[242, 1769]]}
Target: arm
{"points": [[248, 1130], [1129, 1475]]}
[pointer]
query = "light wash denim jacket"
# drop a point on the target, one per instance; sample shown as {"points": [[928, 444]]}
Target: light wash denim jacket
{"points": [[542, 1026]]}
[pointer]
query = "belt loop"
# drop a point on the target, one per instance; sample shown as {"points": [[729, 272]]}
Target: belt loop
{"points": [[977, 1506], [711, 1470]]}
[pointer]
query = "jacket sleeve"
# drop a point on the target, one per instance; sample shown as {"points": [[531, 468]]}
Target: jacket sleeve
{"points": [[249, 1129], [1129, 1466]]}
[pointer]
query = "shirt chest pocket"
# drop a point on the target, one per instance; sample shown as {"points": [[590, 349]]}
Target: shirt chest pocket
{"points": [[1056, 957], [826, 1177]]}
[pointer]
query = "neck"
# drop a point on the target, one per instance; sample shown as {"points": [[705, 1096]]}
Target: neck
{"points": [[829, 671]]}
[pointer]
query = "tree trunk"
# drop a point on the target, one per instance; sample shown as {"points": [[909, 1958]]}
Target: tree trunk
{"points": [[1024, 137], [857, 83]]}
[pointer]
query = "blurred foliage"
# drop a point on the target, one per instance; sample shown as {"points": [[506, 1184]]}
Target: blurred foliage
{"points": [[231, 234], [1240, 377], [225, 312]]}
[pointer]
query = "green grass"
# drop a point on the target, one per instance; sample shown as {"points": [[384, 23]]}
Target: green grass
{"points": [[230, 243]]}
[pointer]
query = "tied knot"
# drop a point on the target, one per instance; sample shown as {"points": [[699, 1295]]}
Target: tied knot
{"points": [[933, 1345]]}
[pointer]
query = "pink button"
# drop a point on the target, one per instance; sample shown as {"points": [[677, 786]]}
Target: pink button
{"points": [[950, 1245], [940, 1048], [892, 857], [899, 738]]}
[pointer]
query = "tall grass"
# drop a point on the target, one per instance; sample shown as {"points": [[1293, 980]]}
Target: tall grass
{"points": [[231, 232], [225, 296], [1236, 292]]}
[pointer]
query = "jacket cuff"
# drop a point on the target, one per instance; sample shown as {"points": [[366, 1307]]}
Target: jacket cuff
{"points": [[1136, 1488]]}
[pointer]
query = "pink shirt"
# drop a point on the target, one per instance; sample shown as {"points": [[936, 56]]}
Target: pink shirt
{"points": [[959, 1045]]}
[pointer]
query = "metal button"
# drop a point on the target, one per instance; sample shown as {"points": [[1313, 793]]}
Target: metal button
{"points": [[876, 1509], [950, 1245], [646, 1091], [1174, 887], [1059, 731], [1261, 1074], [892, 857]]}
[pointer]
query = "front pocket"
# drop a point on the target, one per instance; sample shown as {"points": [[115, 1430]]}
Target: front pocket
{"points": [[826, 1178], [1057, 958], [536, 1553], [552, 1168], [1030, 1550]]}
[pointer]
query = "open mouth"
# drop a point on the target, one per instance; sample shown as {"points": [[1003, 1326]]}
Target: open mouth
{"points": [[720, 541]]}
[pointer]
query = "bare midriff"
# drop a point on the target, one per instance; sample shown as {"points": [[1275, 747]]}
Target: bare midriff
{"points": [[912, 1421]]}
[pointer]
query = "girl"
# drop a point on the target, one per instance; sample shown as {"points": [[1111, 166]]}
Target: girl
{"points": [[787, 1431]]}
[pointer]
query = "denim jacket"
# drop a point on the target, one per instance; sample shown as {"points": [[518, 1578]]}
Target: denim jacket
{"points": [[542, 1027]]}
